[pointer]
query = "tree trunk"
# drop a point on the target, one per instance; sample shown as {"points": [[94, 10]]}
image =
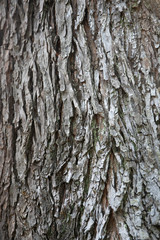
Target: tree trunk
{"points": [[80, 119]]}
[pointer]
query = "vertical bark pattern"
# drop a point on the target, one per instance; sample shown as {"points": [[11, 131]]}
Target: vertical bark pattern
{"points": [[80, 119]]}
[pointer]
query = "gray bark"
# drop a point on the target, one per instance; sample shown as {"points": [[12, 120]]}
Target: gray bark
{"points": [[80, 119]]}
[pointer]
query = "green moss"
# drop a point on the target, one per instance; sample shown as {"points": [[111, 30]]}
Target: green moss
{"points": [[67, 224], [53, 151], [135, 147], [123, 21], [124, 163]]}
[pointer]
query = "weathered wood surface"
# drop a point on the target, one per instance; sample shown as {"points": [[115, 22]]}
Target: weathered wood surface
{"points": [[79, 120]]}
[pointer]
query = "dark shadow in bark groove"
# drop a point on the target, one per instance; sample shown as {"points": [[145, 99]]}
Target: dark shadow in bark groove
{"points": [[87, 179], [1, 37], [112, 230], [29, 151], [14, 138], [30, 82]]}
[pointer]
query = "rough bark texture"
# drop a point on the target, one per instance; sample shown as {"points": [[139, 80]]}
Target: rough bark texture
{"points": [[80, 119]]}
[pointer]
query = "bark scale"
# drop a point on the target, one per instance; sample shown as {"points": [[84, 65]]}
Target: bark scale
{"points": [[80, 119]]}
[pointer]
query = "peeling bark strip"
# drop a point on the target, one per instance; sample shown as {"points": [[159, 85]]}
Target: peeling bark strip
{"points": [[80, 120]]}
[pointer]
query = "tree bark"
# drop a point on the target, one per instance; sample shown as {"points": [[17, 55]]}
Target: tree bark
{"points": [[80, 120]]}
